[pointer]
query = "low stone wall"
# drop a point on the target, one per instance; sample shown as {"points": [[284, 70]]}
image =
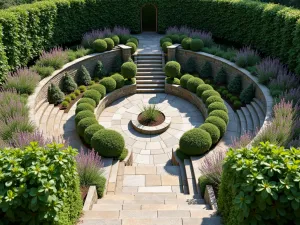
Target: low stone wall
{"points": [[187, 95]]}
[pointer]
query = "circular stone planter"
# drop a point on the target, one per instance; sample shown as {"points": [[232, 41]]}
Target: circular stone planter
{"points": [[151, 129]]}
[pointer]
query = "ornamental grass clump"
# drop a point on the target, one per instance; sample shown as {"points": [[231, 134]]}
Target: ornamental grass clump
{"points": [[90, 170], [247, 57], [23, 81], [243, 140], [268, 69], [55, 58], [260, 185], [292, 95], [283, 82], [150, 113]]}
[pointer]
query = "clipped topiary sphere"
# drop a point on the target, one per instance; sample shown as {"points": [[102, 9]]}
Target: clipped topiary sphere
{"points": [[173, 81], [83, 114], [128, 70], [115, 39], [90, 131], [108, 143], [100, 88], [84, 106], [220, 113], [119, 80], [196, 45], [133, 40], [165, 39], [133, 47], [218, 122], [109, 83], [193, 83], [172, 69], [93, 94], [195, 142], [99, 45], [203, 87], [213, 99], [213, 130], [181, 37], [110, 43], [184, 80], [165, 46], [87, 100], [186, 43], [85, 123], [208, 93], [175, 38], [217, 106]]}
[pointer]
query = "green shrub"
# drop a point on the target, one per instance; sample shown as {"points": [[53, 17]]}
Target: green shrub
{"points": [[55, 95], [99, 45], [84, 106], [72, 96], [181, 37], [93, 94], [87, 100], [256, 180], [68, 84], [218, 122], [221, 77], [228, 95], [109, 83], [234, 98], [99, 70], [213, 131], [90, 131], [115, 39], [170, 80], [217, 106], [68, 99], [235, 85], [195, 142], [175, 38], [124, 38], [43, 71], [190, 66], [203, 181], [130, 81], [193, 83], [133, 47], [247, 94], [119, 80], [206, 70], [220, 113], [85, 123], [116, 67], [237, 104], [128, 70], [77, 92], [123, 154], [165, 39], [172, 69], [196, 45], [206, 94], [83, 114], [39, 193], [133, 40], [184, 80], [108, 143], [224, 92], [65, 104], [82, 88], [203, 87], [165, 46], [186, 43], [213, 99], [100, 88], [110, 43], [83, 76]]}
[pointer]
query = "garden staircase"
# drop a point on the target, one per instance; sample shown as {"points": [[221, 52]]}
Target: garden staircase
{"points": [[150, 77]]}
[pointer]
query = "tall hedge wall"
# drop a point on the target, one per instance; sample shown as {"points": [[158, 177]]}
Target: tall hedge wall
{"points": [[27, 29]]}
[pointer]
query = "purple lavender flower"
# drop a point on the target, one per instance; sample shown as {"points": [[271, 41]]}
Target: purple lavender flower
{"points": [[247, 57], [55, 58], [243, 140]]}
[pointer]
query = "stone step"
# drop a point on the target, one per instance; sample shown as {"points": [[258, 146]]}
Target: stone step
{"points": [[161, 81], [254, 116], [149, 69], [39, 105], [259, 112], [149, 54], [242, 120], [57, 121], [191, 182], [260, 104], [51, 121], [44, 119], [238, 129], [181, 201], [146, 61], [150, 65], [149, 57], [147, 77], [151, 73], [248, 118], [40, 112], [150, 86], [150, 90]]}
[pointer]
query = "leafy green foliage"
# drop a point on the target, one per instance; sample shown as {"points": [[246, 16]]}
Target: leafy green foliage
{"points": [[109, 83], [195, 142], [83, 114], [87, 100], [218, 122], [165, 46], [115, 39], [90, 131], [206, 94], [190, 65], [93, 94], [235, 85], [85, 123], [184, 80], [170, 80], [264, 181], [110, 43], [217, 106], [172, 69], [55, 95], [193, 83], [119, 80], [206, 70], [83, 76], [39, 185], [84, 106], [203, 87], [247, 94], [150, 113], [196, 45], [186, 43], [99, 70], [213, 99], [133, 47], [128, 70], [165, 39], [100, 88], [213, 131], [133, 40], [68, 84], [99, 45], [220, 113], [221, 77], [116, 67]]}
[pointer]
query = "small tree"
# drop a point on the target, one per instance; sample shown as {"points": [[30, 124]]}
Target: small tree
{"points": [[190, 65], [206, 70], [172, 69], [235, 86], [99, 71], [55, 95], [116, 67], [83, 76], [221, 77], [247, 94], [128, 70], [68, 84]]}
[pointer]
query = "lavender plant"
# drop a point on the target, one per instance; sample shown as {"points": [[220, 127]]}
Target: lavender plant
{"points": [[206, 37], [119, 30], [291, 95], [23, 81], [247, 57], [269, 68], [243, 140], [55, 58]]}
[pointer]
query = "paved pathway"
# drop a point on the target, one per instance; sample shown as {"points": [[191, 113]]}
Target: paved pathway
{"points": [[149, 43], [151, 149]]}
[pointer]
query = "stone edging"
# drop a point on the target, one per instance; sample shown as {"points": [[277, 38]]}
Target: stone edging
{"points": [[91, 198], [210, 197]]}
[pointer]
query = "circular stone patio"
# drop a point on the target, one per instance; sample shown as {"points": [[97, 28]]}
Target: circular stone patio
{"points": [[151, 149]]}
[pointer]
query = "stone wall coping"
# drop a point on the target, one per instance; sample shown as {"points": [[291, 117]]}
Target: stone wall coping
{"points": [[31, 103], [210, 197], [91, 199], [173, 46], [124, 46]]}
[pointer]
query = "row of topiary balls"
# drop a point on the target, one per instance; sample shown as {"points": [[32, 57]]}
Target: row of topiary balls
{"points": [[194, 44], [199, 140], [107, 44]]}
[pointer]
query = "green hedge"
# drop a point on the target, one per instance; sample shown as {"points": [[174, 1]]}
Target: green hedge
{"points": [[28, 29], [41, 185]]}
